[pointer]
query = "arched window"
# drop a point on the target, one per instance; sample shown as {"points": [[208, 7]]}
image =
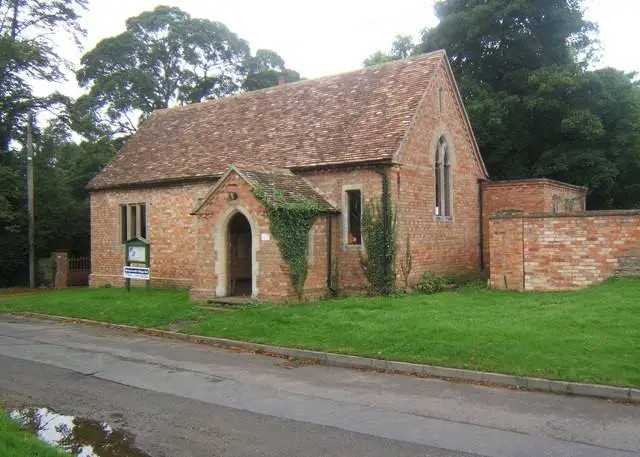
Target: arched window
{"points": [[443, 179]]}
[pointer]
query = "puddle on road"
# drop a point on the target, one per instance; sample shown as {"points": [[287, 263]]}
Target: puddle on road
{"points": [[80, 437]]}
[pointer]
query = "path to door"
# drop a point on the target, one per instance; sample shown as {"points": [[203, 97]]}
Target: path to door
{"points": [[184, 399]]}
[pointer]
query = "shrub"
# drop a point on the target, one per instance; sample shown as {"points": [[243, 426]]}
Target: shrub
{"points": [[431, 283]]}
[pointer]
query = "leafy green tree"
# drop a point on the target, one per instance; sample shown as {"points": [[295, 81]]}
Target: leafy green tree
{"points": [[27, 55], [498, 42], [266, 69], [401, 48], [592, 125], [494, 46], [536, 110], [63, 169], [164, 58]]}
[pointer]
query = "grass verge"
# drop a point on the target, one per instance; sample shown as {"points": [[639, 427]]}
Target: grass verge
{"points": [[140, 307], [587, 336], [15, 442]]}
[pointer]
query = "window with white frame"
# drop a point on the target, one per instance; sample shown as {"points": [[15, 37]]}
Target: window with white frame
{"points": [[133, 221], [442, 178]]}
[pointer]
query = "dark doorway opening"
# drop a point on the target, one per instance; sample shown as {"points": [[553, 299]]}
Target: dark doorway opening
{"points": [[239, 256]]}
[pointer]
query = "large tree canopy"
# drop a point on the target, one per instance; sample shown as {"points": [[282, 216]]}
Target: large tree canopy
{"points": [[498, 42], [166, 57], [535, 108], [27, 55]]}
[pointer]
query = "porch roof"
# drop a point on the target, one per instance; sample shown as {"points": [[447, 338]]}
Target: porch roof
{"points": [[274, 183]]}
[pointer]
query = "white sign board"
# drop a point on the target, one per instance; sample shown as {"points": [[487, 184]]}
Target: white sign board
{"points": [[137, 254], [265, 237], [136, 273]]}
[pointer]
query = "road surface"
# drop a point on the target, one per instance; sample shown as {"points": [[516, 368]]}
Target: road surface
{"points": [[181, 399]]}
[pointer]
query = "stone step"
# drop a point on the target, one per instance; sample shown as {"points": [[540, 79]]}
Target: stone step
{"points": [[231, 302], [215, 309]]}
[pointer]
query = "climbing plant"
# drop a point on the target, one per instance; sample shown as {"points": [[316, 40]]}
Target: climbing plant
{"points": [[291, 219], [379, 237]]}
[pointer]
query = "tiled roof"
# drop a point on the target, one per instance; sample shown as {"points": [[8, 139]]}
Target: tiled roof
{"points": [[275, 182], [353, 117]]}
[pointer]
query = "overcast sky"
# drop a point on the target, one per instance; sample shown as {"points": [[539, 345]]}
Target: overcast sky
{"points": [[333, 36]]}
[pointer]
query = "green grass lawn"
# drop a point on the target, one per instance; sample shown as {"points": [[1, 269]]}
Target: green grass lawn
{"points": [[15, 442], [153, 308], [591, 335]]}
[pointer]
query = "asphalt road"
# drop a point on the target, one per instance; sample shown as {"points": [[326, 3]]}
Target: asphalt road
{"points": [[180, 399]]}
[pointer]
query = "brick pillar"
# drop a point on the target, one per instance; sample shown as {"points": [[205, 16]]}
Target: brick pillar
{"points": [[61, 277]]}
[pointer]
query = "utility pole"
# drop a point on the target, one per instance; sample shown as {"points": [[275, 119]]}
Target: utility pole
{"points": [[32, 272]]}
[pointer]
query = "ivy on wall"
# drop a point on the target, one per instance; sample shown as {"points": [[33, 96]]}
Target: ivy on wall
{"points": [[379, 237], [291, 219]]}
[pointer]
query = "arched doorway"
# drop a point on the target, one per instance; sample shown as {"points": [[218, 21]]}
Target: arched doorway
{"points": [[239, 261]]}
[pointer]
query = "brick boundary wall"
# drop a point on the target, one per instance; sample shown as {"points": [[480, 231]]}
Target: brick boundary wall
{"points": [[544, 252], [61, 261], [535, 195]]}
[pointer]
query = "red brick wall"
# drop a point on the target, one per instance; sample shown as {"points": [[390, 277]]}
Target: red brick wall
{"points": [[438, 244], [527, 195], [170, 229], [562, 252], [507, 254], [332, 184]]}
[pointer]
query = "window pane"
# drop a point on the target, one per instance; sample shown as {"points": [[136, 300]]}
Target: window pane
{"points": [[447, 191], [143, 220], [123, 223], [354, 235], [438, 188], [133, 221]]}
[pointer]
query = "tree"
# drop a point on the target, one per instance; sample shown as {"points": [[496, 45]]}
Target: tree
{"points": [[164, 58], [401, 48], [494, 46], [266, 69], [498, 42], [536, 110], [592, 125], [27, 55]]}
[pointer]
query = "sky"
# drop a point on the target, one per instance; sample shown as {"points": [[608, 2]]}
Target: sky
{"points": [[334, 36]]}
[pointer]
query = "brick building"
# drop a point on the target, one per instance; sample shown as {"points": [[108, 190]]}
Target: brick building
{"points": [[186, 181]]}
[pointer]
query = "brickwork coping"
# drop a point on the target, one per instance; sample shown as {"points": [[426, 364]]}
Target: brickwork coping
{"points": [[552, 182], [598, 213]]}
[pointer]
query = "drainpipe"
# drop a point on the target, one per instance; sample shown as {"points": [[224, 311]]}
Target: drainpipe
{"points": [[481, 197]]}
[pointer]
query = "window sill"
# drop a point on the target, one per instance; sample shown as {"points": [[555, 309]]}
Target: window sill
{"points": [[445, 219], [353, 247]]}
